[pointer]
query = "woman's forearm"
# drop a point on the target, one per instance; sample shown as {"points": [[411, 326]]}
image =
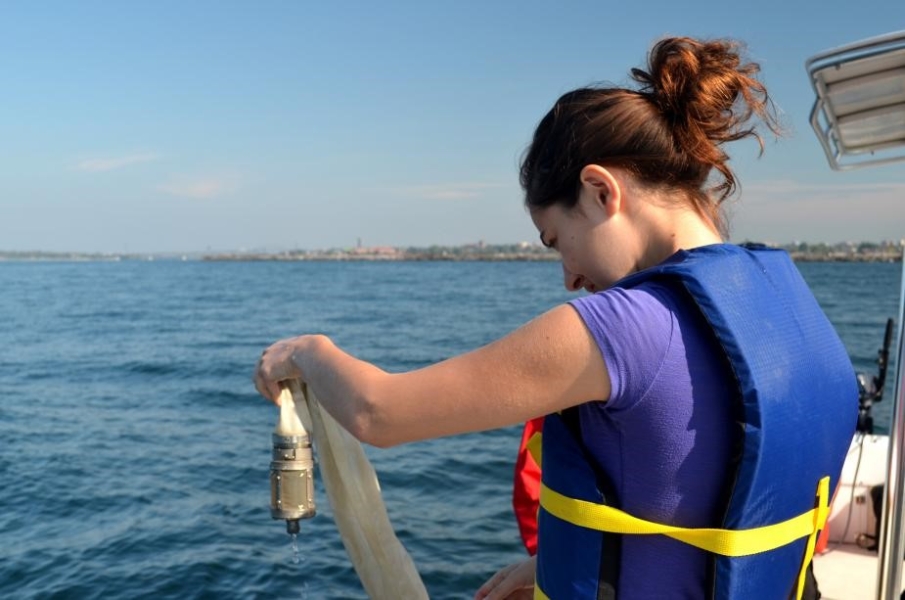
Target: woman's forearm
{"points": [[347, 387]]}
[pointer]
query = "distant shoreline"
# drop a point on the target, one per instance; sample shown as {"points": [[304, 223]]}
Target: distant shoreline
{"points": [[524, 252]]}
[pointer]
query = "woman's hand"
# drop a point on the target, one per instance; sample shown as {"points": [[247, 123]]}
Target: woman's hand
{"points": [[280, 362], [515, 582]]}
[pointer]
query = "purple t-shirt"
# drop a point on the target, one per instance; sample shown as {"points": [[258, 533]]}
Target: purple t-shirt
{"points": [[665, 435]]}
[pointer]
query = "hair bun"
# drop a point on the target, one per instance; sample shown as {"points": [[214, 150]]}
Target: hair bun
{"points": [[706, 94], [692, 80]]}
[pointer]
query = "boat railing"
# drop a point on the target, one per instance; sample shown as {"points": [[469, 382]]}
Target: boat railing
{"points": [[859, 113]]}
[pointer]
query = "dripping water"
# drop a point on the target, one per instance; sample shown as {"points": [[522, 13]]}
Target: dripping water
{"points": [[294, 542], [296, 560]]}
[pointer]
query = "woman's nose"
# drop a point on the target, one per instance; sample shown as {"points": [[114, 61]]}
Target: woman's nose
{"points": [[572, 281]]}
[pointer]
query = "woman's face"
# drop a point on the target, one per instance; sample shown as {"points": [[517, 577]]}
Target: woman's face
{"points": [[591, 240]]}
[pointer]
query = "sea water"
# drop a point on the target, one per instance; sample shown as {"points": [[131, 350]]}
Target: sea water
{"points": [[135, 451]]}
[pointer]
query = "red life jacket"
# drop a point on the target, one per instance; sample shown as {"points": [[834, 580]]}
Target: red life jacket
{"points": [[526, 487]]}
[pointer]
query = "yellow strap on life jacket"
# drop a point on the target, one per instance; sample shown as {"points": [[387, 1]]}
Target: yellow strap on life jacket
{"points": [[534, 445], [726, 542]]}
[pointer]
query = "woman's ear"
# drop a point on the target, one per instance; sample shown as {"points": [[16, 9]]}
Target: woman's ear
{"points": [[602, 188]]}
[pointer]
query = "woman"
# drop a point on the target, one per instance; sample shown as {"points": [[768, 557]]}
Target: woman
{"points": [[698, 385]]}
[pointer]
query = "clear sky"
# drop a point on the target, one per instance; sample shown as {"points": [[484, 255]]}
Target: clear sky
{"points": [[191, 126]]}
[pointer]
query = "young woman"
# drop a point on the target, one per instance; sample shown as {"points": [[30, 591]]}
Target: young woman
{"points": [[698, 388]]}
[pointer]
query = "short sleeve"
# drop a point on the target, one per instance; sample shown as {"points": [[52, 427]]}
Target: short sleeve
{"points": [[633, 329]]}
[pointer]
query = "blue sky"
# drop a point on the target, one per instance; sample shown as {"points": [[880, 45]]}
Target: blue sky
{"points": [[193, 126]]}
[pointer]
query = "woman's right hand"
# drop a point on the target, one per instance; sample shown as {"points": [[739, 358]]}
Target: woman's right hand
{"points": [[515, 582], [281, 362]]}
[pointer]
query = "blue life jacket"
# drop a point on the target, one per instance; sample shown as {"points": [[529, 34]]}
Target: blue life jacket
{"points": [[797, 401]]}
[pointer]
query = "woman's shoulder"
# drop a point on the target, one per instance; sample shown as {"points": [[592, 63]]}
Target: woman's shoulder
{"points": [[643, 315], [640, 321], [654, 299]]}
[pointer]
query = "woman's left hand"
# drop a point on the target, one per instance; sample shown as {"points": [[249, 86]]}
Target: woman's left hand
{"points": [[281, 362], [514, 582]]}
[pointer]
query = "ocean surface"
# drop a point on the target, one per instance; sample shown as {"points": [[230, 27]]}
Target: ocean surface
{"points": [[134, 450]]}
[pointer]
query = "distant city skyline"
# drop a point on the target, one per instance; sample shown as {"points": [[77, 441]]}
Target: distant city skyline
{"points": [[173, 127]]}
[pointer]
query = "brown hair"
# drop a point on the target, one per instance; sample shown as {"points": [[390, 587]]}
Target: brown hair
{"points": [[694, 97]]}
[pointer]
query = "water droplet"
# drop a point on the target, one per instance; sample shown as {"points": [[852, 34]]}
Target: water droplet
{"points": [[296, 559]]}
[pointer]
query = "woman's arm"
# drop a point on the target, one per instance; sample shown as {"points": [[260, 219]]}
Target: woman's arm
{"points": [[549, 364]]}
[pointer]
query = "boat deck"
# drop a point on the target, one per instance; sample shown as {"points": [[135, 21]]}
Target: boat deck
{"points": [[846, 572]]}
